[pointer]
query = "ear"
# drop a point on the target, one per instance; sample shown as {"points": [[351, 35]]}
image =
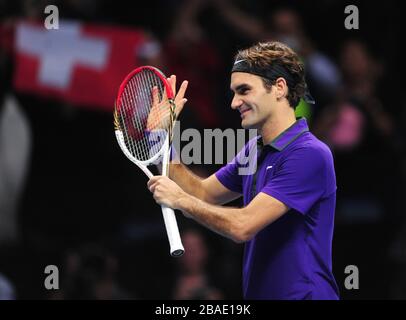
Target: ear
{"points": [[281, 88]]}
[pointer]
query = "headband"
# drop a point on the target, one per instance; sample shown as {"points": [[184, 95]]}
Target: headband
{"points": [[277, 70]]}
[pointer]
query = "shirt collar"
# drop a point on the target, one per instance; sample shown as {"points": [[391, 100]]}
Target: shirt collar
{"points": [[289, 135]]}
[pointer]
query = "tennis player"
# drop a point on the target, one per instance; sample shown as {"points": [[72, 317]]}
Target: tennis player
{"points": [[287, 219]]}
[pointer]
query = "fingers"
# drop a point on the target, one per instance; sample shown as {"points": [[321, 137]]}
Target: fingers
{"points": [[172, 83], [155, 97], [154, 181], [151, 187], [179, 106], [180, 99], [182, 89], [153, 115]]}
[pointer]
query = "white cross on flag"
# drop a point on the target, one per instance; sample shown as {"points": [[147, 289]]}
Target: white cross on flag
{"points": [[79, 63]]}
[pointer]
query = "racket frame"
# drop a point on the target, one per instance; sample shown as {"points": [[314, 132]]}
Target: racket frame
{"points": [[175, 242]]}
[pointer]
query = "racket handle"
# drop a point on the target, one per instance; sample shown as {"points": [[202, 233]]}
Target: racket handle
{"points": [[175, 243]]}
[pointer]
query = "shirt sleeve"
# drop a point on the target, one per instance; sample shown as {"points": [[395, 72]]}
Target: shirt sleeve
{"points": [[304, 177], [231, 175], [228, 176]]}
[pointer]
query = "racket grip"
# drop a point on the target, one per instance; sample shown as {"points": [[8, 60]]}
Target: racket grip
{"points": [[172, 230]]}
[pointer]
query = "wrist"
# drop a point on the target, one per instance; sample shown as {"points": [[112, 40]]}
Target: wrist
{"points": [[182, 201]]}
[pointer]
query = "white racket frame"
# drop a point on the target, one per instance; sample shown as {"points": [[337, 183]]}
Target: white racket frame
{"points": [[171, 226]]}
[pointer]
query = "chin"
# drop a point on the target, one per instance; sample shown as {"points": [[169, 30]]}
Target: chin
{"points": [[248, 125], [244, 124]]}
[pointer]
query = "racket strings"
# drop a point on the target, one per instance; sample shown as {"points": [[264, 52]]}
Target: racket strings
{"points": [[143, 115]]}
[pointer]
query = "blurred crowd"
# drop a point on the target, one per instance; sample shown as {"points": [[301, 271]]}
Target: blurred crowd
{"points": [[68, 197]]}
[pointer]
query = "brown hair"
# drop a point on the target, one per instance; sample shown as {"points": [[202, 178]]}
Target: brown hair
{"points": [[264, 54]]}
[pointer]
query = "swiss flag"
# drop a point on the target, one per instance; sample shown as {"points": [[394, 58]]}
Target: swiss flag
{"points": [[83, 64]]}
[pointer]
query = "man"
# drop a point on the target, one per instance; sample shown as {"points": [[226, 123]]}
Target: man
{"points": [[289, 201]]}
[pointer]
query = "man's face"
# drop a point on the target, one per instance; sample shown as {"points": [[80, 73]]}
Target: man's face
{"points": [[251, 99]]}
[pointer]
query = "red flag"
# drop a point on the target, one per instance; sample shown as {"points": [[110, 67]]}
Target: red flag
{"points": [[83, 64]]}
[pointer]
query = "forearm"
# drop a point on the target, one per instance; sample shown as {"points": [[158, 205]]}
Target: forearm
{"points": [[226, 221], [187, 180]]}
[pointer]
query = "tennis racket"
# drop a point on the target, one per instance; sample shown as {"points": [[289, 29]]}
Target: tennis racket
{"points": [[144, 116]]}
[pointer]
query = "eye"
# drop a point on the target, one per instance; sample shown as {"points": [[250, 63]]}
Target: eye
{"points": [[243, 91]]}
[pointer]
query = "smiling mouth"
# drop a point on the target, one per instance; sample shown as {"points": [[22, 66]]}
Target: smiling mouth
{"points": [[242, 112]]}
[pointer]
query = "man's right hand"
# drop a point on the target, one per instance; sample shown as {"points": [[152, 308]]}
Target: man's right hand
{"points": [[158, 117]]}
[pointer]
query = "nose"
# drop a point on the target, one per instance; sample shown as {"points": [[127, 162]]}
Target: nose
{"points": [[236, 102]]}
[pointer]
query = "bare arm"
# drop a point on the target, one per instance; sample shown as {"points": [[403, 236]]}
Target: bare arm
{"points": [[210, 189], [238, 224]]}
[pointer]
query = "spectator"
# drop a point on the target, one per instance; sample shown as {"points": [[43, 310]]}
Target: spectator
{"points": [[285, 24], [363, 138], [191, 55], [193, 281], [91, 275]]}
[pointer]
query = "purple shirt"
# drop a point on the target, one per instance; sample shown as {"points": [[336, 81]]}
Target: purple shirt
{"points": [[290, 258]]}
